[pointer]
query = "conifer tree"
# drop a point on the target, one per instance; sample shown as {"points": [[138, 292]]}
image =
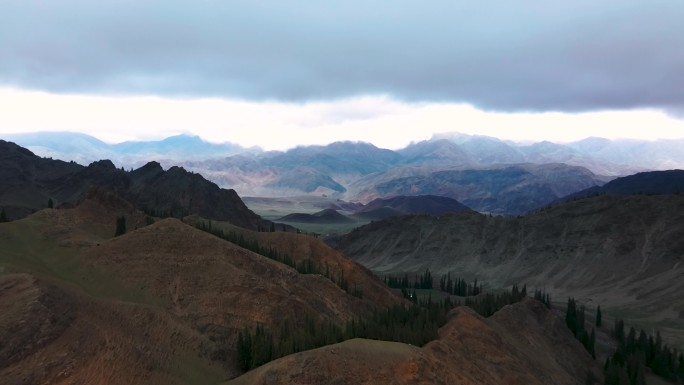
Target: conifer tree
{"points": [[599, 317], [120, 226], [3, 216], [571, 316], [50, 203]]}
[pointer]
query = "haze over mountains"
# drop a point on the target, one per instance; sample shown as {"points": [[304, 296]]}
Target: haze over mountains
{"points": [[485, 173], [601, 156]]}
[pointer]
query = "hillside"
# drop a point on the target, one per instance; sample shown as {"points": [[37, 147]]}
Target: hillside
{"points": [[161, 304], [623, 252], [470, 350]]}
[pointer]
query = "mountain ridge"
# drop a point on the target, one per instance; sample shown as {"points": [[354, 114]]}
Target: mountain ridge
{"points": [[345, 169], [32, 183]]}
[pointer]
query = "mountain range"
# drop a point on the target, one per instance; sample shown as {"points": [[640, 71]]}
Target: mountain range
{"points": [[601, 156], [485, 173]]}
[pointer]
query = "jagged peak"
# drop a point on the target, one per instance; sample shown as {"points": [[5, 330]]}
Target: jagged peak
{"points": [[152, 165], [103, 164]]}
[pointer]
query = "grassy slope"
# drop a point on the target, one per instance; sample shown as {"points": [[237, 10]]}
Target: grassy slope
{"points": [[167, 291], [35, 246]]}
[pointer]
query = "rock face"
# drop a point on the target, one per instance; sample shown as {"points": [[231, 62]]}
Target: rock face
{"points": [[522, 344], [30, 181]]}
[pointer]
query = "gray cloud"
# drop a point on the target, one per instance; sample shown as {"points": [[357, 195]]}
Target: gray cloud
{"points": [[499, 54]]}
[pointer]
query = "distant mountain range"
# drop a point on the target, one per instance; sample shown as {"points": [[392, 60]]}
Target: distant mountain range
{"points": [[484, 173], [601, 156], [86, 149]]}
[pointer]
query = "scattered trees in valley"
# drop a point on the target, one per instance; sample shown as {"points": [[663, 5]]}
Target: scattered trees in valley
{"points": [[418, 323], [456, 286], [636, 352], [459, 286]]}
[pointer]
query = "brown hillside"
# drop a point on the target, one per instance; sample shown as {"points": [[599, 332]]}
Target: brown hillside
{"points": [[215, 284], [624, 253], [300, 247], [159, 304], [522, 344], [53, 335]]}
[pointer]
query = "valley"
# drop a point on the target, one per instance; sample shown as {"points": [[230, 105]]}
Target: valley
{"points": [[160, 276]]}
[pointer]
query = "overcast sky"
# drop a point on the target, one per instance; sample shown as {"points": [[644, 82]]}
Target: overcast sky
{"points": [[280, 73]]}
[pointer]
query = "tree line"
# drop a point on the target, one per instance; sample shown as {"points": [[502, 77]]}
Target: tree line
{"points": [[574, 319], [636, 352], [415, 324], [456, 286], [459, 286]]}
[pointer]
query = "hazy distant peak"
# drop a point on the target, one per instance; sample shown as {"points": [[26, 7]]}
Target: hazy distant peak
{"points": [[460, 138]]}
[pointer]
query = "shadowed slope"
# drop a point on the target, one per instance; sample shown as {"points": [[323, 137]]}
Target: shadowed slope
{"points": [[624, 252]]}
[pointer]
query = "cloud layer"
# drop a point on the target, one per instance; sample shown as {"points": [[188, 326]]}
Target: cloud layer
{"points": [[500, 55]]}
